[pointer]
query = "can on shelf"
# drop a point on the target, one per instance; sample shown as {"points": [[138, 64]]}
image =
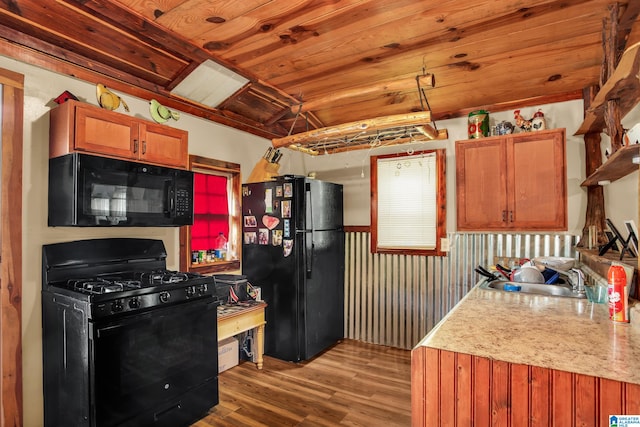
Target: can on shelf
{"points": [[478, 124]]}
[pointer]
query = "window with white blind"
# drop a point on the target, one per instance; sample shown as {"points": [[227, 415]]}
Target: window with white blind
{"points": [[408, 202]]}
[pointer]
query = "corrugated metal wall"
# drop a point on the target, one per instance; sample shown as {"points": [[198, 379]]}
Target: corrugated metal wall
{"points": [[395, 300]]}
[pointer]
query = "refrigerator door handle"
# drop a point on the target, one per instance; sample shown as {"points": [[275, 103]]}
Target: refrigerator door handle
{"points": [[308, 221], [309, 226], [308, 253]]}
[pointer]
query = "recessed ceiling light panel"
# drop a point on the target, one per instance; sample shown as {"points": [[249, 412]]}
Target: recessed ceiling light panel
{"points": [[209, 84]]}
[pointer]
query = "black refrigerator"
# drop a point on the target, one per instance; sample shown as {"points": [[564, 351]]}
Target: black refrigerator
{"points": [[293, 249]]}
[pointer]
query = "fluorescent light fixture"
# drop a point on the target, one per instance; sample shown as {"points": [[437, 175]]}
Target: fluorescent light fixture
{"points": [[209, 84]]}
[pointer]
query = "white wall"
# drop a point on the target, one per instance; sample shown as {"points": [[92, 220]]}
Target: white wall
{"points": [[621, 197]]}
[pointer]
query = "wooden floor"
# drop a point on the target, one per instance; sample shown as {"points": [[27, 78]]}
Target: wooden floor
{"points": [[351, 384]]}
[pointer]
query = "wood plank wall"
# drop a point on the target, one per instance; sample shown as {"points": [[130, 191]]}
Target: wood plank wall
{"points": [[11, 113], [395, 300], [454, 389]]}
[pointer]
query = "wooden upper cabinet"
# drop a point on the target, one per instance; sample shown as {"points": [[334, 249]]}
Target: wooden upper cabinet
{"points": [[512, 183], [163, 144], [97, 131], [76, 126]]}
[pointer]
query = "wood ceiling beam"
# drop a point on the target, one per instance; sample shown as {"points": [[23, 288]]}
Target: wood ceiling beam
{"points": [[106, 44]]}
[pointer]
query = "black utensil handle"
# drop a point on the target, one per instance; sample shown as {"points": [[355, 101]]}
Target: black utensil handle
{"points": [[506, 269], [506, 272], [484, 273]]}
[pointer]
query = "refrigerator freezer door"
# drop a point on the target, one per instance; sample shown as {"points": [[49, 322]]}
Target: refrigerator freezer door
{"points": [[319, 205]]}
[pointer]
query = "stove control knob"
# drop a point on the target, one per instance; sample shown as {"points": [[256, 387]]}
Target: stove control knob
{"points": [[191, 291], [202, 289], [164, 296], [116, 306], [134, 303]]}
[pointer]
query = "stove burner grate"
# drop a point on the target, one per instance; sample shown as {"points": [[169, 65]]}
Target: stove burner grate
{"points": [[164, 277], [103, 286]]}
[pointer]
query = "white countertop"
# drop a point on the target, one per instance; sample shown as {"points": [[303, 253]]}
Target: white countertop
{"points": [[566, 334]]}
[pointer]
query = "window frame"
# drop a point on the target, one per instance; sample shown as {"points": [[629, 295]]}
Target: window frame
{"points": [[441, 197], [204, 165]]}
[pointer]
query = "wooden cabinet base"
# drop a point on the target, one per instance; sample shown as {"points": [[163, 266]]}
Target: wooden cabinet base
{"points": [[233, 322], [456, 389]]}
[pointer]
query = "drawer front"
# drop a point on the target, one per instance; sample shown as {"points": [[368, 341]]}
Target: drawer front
{"points": [[234, 325]]}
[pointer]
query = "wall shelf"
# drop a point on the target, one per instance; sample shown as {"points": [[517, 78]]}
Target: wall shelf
{"points": [[619, 165], [600, 264], [622, 85]]}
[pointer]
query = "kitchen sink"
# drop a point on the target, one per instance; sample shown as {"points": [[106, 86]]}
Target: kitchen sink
{"points": [[564, 291]]}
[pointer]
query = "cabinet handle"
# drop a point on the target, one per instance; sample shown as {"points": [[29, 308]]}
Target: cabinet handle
{"points": [[135, 145], [504, 216], [511, 215], [144, 147]]}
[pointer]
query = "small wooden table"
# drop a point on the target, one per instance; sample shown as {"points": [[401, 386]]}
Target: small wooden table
{"points": [[236, 318]]}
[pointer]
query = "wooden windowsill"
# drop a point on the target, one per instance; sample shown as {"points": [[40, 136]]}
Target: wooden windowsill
{"points": [[215, 267]]}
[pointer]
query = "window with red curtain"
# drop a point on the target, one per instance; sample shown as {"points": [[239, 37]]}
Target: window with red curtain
{"points": [[210, 210]]}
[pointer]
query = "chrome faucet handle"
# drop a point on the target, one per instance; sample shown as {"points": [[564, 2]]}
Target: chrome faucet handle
{"points": [[579, 285]]}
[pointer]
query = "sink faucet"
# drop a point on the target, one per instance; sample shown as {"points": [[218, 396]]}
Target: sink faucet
{"points": [[575, 276]]}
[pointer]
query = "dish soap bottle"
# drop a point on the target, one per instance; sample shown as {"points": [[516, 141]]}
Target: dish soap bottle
{"points": [[221, 246]]}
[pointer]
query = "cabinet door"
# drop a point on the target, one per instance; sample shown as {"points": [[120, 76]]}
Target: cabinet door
{"points": [[163, 145], [98, 131], [537, 181], [512, 183], [481, 184]]}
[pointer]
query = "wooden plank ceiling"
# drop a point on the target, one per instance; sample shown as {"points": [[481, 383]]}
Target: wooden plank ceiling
{"points": [[495, 55]]}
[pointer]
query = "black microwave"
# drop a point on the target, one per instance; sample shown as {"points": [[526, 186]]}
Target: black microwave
{"points": [[89, 191]]}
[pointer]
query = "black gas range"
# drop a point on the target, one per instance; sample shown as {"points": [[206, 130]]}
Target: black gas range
{"points": [[126, 342], [127, 292]]}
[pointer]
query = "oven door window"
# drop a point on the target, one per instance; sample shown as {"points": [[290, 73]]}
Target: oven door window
{"points": [[146, 359]]}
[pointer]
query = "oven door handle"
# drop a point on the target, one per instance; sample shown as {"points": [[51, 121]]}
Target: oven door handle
{"points": [[108, 326]]}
